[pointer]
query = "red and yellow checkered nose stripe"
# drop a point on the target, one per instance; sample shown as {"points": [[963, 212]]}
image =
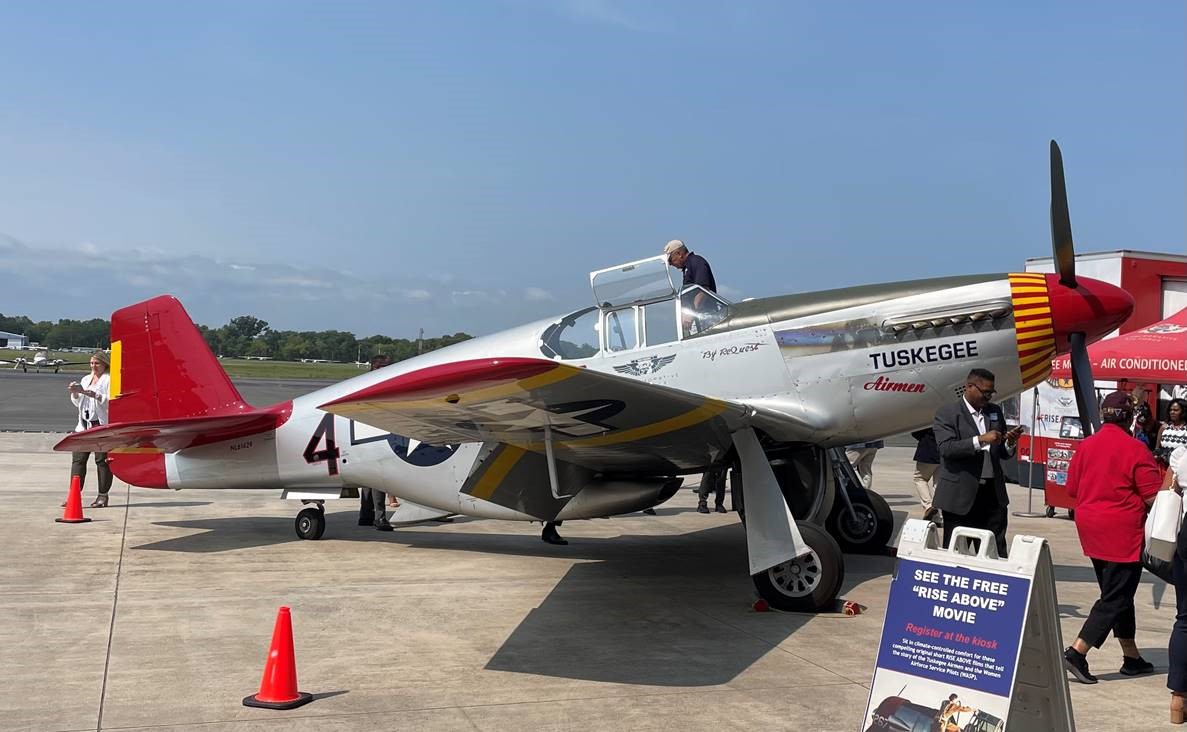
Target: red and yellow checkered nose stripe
{"points": [[1032, 325]]}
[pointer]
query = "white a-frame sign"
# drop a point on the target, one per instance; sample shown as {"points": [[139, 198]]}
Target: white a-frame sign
{"points": [[970, 642]]}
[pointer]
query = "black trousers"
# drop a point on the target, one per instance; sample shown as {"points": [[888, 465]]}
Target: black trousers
{"points": [[1176, 677], [1113, 612], [371, 506], [713, 481], [78, 466], [988, 512]]}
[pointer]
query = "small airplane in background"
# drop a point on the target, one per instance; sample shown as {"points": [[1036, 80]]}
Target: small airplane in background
{"points": [[40, 360], [602, 412]]}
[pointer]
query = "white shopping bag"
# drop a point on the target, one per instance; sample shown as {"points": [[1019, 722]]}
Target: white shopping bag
{"points": [[1162, 525]]}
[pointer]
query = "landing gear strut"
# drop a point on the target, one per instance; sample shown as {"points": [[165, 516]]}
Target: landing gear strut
{"points": [[795, 565], [311, 522]]}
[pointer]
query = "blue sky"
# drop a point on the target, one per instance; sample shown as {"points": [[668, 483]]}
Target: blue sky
{"points": [[463, 165]]}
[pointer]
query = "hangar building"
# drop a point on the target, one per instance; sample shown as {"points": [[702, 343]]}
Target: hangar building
{"points": [[13, 340]]}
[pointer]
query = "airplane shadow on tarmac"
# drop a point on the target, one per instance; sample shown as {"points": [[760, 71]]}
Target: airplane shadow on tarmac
{"points": [[659, 610], [161, 504], [678, 616]]}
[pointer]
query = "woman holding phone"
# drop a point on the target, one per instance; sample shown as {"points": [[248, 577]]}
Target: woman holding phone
{"points": [[90, 397]]}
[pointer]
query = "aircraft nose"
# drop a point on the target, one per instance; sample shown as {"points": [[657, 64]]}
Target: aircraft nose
{"points": [[1092, 307]]}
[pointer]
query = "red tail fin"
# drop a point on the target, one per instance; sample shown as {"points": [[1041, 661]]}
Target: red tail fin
{"points": [[162, 368]]}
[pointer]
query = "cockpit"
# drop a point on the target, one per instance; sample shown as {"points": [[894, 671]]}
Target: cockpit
{"points": [[637, 305]]}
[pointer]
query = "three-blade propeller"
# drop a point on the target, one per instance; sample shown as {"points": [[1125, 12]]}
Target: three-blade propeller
{"points": [[1064, 254]]}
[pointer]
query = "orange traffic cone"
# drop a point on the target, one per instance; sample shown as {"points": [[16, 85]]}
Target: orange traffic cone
{"points": [[73, 512], [278, 688]]}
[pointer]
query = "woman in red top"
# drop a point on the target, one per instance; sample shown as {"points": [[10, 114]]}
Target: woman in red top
{"points": [[1113, 478]]}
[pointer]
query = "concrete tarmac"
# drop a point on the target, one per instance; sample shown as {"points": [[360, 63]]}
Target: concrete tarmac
{"points": [[158, 615]]}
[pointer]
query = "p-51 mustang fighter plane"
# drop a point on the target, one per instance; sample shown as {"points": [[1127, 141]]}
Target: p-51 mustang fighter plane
{"points": [[601, 412]]}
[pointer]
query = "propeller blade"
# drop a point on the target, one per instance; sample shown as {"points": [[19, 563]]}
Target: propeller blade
{"points": [[1084, 384], [1061, 222]]}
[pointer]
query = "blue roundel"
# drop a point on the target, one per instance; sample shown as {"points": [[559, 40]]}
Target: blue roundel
{"points": [[422, 455]]}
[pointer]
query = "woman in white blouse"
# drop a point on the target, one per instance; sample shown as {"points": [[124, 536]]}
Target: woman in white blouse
{"points": [[90, 396]]}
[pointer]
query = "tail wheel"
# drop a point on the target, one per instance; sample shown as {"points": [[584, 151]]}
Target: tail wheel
{"points": [[809, 583], [310, 523], [868, 528]]}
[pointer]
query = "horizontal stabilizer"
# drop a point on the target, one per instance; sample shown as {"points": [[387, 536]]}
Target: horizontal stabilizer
{"points": [[171, 435]]}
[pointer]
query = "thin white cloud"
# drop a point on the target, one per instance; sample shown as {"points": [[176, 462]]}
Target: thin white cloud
{"points": [[95, 282], [605, 12]]}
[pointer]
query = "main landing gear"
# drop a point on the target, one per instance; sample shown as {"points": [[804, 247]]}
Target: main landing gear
{"points": [[795, 565], [311, 522], [809, 583]]}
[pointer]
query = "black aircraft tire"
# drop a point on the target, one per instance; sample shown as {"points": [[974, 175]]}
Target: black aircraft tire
{"points": [[809, 584], [872, 529], [310, 524]]}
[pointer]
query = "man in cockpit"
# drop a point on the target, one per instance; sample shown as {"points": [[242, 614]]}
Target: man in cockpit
{"points": [[696, 269]]}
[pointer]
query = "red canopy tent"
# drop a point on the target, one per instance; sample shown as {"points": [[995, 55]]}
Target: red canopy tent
{"points": [[1156, 354]]}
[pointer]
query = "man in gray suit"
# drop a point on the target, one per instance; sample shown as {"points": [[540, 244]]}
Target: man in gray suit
{"points": [[972, 439]]}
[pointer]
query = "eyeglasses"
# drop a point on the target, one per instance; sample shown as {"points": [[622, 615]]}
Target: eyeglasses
{"points": [[986, 392]]}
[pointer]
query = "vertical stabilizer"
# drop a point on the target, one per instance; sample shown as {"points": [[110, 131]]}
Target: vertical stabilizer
{"points": [[162, 368]]}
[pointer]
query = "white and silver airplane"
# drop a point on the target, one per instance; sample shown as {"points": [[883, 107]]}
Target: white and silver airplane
{"points": [[40, 360], [600, 412]]}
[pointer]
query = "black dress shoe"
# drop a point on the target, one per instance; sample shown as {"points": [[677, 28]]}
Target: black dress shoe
{"points": [[1136, 666], [720, 509], [702, 508], [383, 526], [1077, 664], [553, 539]]}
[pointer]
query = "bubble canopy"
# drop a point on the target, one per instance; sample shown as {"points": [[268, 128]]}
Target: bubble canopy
{"points": [[640, 281]]}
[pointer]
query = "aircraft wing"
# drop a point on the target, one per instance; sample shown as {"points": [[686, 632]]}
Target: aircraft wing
{"points": [[598, 421]]}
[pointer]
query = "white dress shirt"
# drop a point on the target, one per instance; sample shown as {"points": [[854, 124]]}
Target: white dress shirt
{"points": [[92, 409]]}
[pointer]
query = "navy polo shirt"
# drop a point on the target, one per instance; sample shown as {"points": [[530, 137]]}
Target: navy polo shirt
{"points": [[698, 272]]}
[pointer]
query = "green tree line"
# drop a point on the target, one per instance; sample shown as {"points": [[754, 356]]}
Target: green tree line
{"points": [[244, 335], [65, 333]]}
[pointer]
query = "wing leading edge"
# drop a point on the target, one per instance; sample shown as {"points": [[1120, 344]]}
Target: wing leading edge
{"points": [[598, 421]]}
